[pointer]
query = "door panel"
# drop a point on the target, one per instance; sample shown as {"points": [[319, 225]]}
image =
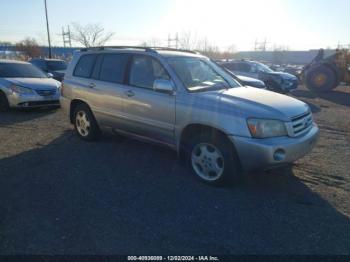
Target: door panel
{"points": [[108, 77], [107, 103], [149, 113]]}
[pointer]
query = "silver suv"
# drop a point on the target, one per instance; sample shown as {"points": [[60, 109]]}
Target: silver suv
{"points": [[183, 100]]}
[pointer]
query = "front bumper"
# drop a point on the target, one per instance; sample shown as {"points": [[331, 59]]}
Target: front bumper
{"points": [[33, 100], [261, 154]]}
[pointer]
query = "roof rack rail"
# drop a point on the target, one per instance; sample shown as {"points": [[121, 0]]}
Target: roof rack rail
{"points": [[172, 49], [114, 47], [147, 49]]}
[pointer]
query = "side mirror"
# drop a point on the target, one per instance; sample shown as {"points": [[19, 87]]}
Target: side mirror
{"points": [[163, 86], [49, 75]]}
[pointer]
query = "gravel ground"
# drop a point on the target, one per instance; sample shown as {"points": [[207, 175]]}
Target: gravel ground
{"points": [[60, 195]]}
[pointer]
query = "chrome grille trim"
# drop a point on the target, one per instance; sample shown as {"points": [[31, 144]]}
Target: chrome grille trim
{"points": [[301, 124]]}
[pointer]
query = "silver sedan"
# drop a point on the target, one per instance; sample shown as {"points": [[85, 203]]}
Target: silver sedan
{"points": [[22, 85]]}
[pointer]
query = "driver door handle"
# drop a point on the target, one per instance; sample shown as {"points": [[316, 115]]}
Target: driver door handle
{"points": [[92, 85], [129, 93]]}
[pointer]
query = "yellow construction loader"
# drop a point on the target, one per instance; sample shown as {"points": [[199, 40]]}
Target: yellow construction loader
{"points": [[325, 74]]}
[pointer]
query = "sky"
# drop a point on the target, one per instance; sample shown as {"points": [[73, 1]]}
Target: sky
{"points": [[292, 24]]}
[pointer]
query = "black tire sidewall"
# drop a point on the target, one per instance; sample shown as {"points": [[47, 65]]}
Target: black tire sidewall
{"points": [[330, 84], [94, 129], [231, 162], [4, 104]]}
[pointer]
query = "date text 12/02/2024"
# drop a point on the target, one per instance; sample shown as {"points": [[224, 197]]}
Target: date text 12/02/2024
{"points": [[173, 258]]}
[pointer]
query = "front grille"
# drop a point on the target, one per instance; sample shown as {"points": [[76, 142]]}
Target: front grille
{"points": [[50, 92], [302, 123], [39, 103]]}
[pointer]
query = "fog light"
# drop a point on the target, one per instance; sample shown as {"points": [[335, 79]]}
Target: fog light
{"points": [[279, 155]]}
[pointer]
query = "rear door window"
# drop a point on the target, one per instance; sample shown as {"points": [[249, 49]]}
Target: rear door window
{"points": [[113, 67], [97, 68], [84, 66]]}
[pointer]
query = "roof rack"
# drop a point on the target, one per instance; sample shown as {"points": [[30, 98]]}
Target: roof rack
{"points": [[113, 47], [172, 49], [147, 49]]}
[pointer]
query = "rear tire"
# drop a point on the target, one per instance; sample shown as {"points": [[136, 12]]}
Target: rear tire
{"points": [[85, 123], [213, 160], [4, 103], [320, 79]]}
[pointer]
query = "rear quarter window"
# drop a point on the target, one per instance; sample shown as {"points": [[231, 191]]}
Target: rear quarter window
{"points": [[84, 66]]}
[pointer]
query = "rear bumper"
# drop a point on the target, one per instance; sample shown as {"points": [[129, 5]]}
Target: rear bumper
{"points": [[260, 154], [32, 100]]}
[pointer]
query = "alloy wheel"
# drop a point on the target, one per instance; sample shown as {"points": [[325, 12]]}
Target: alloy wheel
{"points": [[207, 161]]}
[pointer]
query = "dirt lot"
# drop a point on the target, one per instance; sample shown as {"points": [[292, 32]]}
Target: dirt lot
{"points": [[60, 195]]}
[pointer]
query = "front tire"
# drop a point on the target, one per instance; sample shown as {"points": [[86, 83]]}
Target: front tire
{"points": [[85, 123], [213, 160]]}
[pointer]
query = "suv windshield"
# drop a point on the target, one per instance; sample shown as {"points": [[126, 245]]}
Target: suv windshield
{"points": [[199, 74], [16, 70], [56, 65]]}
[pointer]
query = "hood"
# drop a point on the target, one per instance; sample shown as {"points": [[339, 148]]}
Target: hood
{"points": [[35, 83], [255, 102]]}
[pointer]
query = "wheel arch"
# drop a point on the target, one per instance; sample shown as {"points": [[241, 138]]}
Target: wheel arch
{"points": [[196, 128], [73, 105]]}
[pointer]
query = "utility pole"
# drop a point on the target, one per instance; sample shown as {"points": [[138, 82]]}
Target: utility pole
{"points": [[260, 46], [171, 40], [48, 30]]}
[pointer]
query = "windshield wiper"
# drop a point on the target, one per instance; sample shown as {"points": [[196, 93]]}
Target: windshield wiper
{"points": [[216, 86]]}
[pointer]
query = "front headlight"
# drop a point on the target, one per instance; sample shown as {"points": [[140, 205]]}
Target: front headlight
{"points": [[21, 90], [263, 128]]}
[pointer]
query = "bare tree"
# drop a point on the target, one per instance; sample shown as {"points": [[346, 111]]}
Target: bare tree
{"points": [[29, 47], [90, 35], [188, 40]]}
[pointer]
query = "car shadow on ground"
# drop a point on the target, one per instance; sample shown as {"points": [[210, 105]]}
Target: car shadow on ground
{"points": [[337, 97], [14, 116], [120, 196], [334, 96]]}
